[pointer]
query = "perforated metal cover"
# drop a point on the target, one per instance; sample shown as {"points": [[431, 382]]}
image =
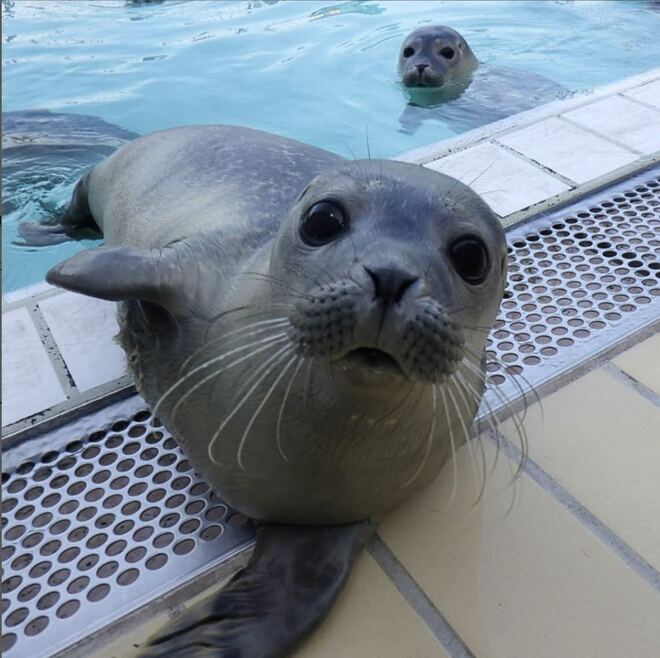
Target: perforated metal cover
{"points": [[98, 526], [580, 280], [108, 515]]}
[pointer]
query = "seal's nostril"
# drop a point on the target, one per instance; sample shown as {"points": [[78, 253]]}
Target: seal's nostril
{"points": [[390, 284], [421, 67]]}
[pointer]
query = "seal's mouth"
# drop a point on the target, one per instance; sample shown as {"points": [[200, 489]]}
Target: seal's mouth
{"points": [[375, 360]]}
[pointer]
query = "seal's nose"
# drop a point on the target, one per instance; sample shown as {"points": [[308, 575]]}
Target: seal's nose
{"points": [[390, 284], [420, 67]]}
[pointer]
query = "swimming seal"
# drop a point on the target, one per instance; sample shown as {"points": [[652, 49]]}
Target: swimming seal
{"points": [[444, 80], [311, 329]]}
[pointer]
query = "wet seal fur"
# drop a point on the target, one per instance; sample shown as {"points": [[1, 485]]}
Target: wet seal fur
{"points": [[444, 80], [311, 329]]}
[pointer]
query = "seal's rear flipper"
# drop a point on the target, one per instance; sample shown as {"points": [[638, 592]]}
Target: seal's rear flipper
{"points": [[266, 610]]}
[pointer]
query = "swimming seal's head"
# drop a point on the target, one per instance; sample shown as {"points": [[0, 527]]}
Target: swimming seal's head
{"points": [[434, 56]]}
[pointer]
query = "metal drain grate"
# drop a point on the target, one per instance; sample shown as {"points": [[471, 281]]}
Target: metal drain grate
{"points": [[95, 527], [109, 515], [580, 280]]}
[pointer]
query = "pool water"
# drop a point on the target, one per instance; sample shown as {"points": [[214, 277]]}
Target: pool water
{"points": [[320, 72]]}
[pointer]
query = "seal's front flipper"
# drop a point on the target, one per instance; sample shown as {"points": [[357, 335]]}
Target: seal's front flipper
{"points": [[266, 610], [42, 235], [75, 223]]}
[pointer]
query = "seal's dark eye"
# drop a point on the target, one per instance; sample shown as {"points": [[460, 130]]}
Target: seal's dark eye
{"points": [[408, 51], [447, 53], [470, 258], [323, 222]]}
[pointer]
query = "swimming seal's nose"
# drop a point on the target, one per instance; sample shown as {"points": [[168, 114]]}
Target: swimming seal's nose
{"points": [[390, 284], [420, 67]]}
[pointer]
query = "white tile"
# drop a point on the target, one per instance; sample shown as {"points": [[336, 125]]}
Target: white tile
{"points": [[568, 150], [621, 119], [29, 382], [505, 182], [649, 93], [84, 329]]}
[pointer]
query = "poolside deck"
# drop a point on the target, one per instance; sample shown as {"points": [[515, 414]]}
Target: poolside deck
{"points": [[572, 568]]}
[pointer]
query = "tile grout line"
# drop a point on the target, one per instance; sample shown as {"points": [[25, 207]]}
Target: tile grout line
{"points": [[648, 106], [53, 353], [579, 126], [587, 519], [630, 382], [545, 169], [442, 630]]}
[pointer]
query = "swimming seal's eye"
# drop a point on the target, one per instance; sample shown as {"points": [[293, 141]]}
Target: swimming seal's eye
{"points": [[470, 258], [447, 53], [323, 222], [408, 51]]}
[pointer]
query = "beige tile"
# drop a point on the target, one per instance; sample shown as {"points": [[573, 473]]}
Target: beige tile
{"points": [[371, 619], [29, 382], [642, 362], [599, 440], [623, 120], [648, 93], [506, 182], [84, 330], [568, 150], [531, 583]]}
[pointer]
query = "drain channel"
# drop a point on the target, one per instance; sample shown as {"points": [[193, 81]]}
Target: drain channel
{"points": [[110, 515]]}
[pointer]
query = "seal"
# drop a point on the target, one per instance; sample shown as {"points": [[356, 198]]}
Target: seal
{"points": [[444, 80], [311, 329]]}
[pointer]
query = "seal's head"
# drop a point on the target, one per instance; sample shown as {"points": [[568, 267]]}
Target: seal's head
{"points": [[434, 56], [417, 262]]}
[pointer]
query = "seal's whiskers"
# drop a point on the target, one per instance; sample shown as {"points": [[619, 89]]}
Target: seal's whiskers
{"points": [[290, 362], [468, 440], [206, 364], [452, 444], [515, 416], [242, 401], [514, 376], [468, 443], [429, 441], [271, 324], [463, 389], [278, 427], [217, 372]]}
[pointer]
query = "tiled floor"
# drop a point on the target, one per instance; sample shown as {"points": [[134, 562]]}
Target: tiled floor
{"points": [[83, 329], [545, 142], [492, 172], [636, 363], [29, 381]]}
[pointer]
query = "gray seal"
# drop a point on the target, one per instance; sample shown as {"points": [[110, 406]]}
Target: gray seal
{"points": [[443, 80], [311, 329]]}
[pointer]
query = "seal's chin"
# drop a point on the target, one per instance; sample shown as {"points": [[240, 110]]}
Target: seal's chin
{"points": [[374, 360]]}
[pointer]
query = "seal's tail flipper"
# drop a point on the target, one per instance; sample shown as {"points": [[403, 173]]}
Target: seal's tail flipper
{"points": [[266, 610], [75, 223]]}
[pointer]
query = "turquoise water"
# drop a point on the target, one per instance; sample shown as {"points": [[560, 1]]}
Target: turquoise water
{"points": [[320, 72]]}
